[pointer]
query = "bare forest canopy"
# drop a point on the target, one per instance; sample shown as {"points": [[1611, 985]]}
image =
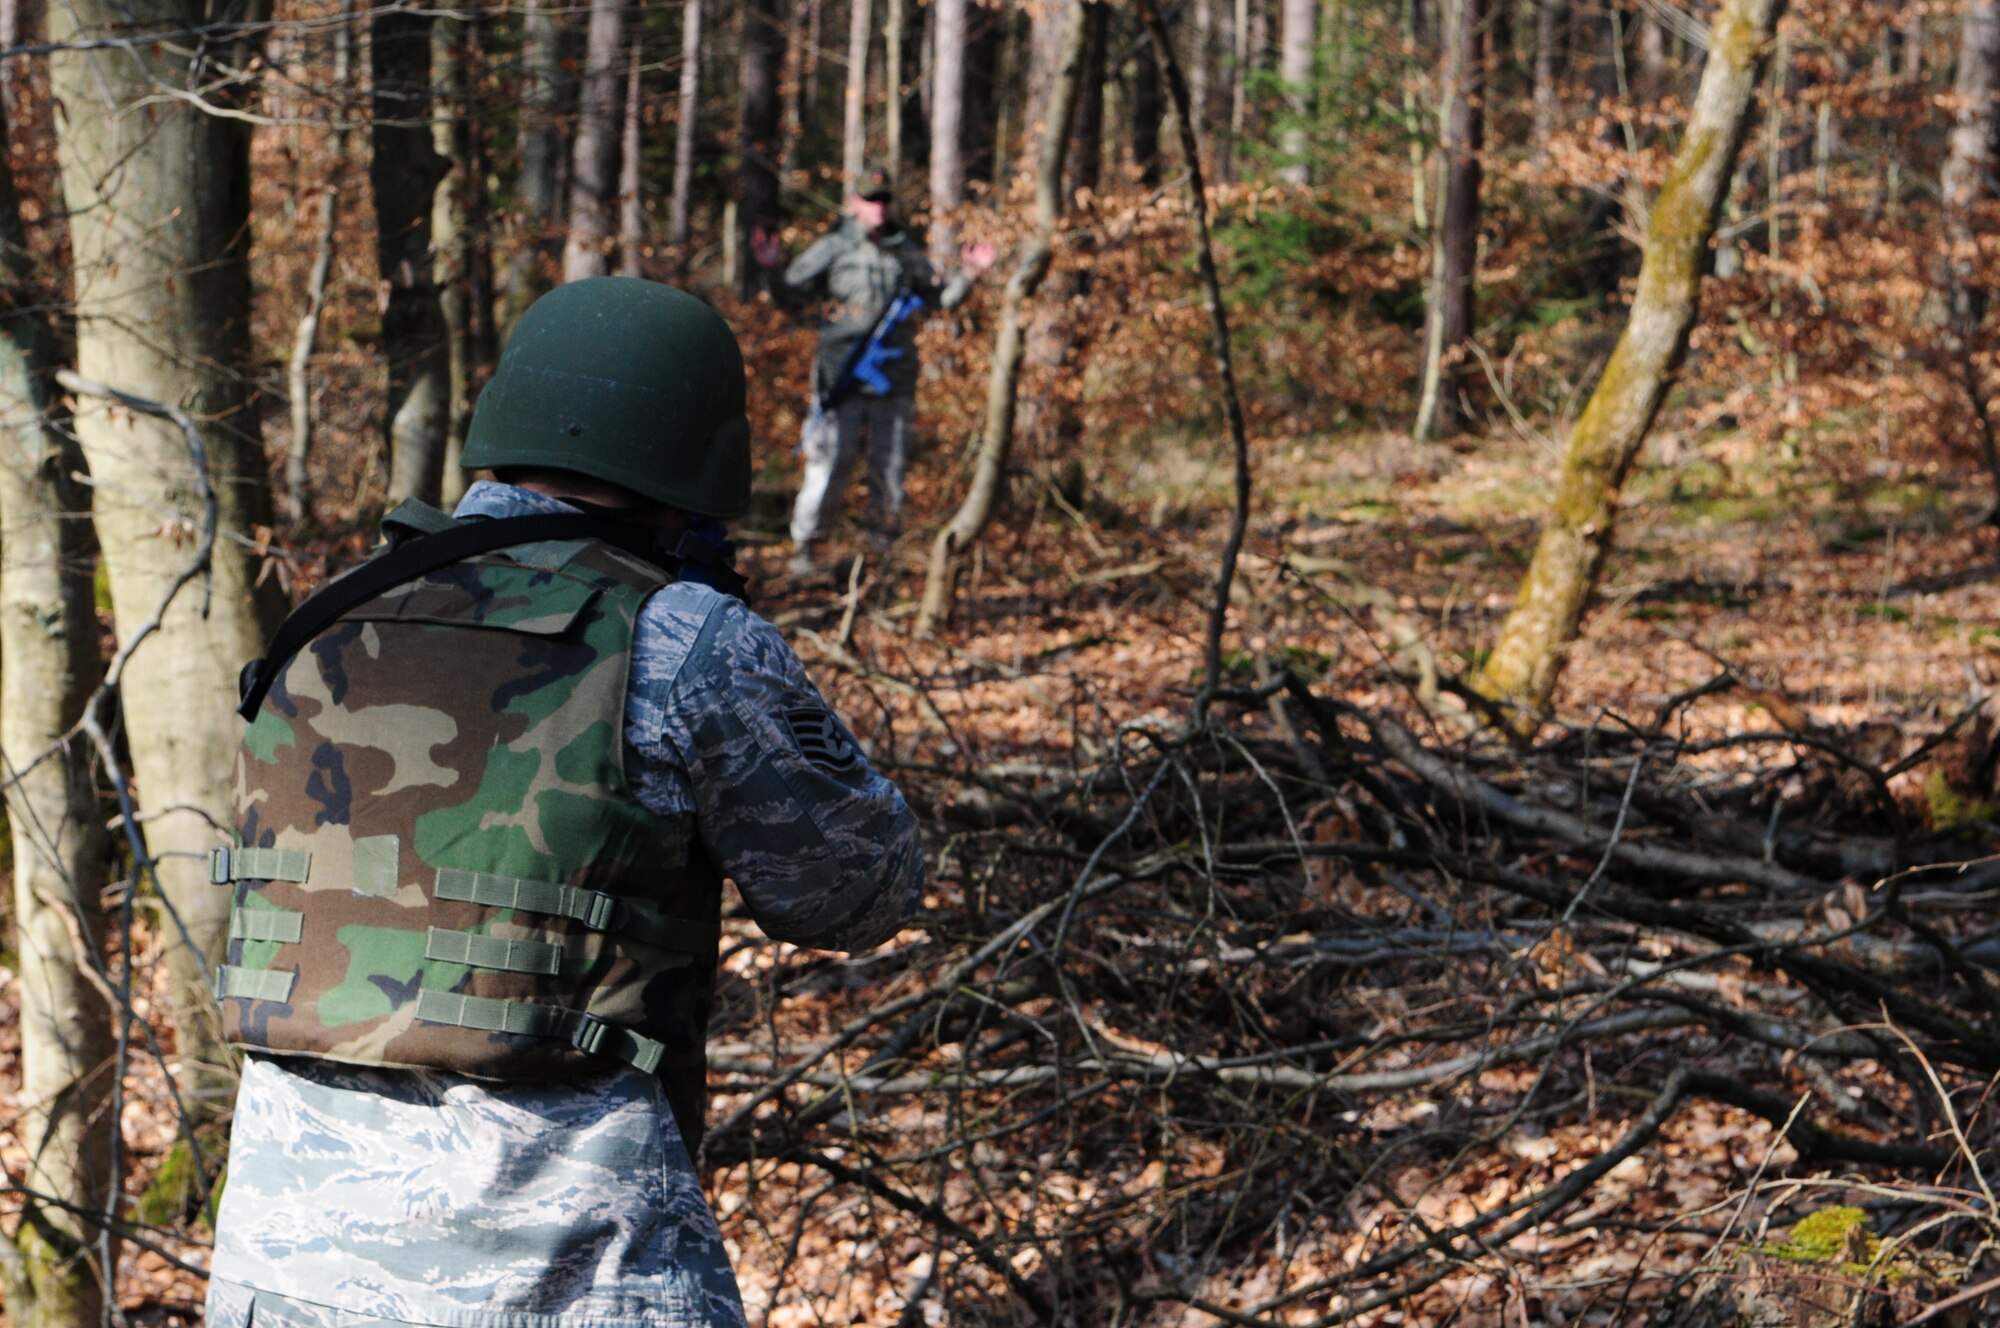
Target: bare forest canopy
{"points": [[1443, 637]]}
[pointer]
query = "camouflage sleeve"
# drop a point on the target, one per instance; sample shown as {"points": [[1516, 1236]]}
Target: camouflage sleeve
{"points": [[957, 289], [822, 847], [806, 271]]}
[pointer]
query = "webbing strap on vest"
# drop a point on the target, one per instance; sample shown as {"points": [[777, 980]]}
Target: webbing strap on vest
{"points": [[597, 911], [255, 984], [507, 954], [258, 864], [266, 924], [586, 1032], [427, 553]]}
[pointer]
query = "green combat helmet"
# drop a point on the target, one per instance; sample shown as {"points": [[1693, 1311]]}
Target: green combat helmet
{"points": [[629, 381]]}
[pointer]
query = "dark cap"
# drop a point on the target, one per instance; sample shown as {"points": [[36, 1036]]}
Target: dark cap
{"points": [[876, 184]]}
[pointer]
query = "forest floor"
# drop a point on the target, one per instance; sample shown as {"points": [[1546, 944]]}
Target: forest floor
{"points": [[1852, 590]]}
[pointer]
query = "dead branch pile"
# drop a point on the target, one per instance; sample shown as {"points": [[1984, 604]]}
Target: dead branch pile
{"points": [[1289, 1014]]}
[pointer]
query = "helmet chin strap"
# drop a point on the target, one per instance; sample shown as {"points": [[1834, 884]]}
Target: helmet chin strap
{"points": [[684, 548]]}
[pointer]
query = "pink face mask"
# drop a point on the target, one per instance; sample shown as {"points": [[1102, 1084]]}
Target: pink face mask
{"points": [[870, 212]]}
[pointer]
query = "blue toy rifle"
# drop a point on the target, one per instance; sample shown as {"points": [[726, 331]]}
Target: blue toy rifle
{"points": [[863, 365]]}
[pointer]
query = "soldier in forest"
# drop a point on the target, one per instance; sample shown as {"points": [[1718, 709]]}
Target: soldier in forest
{"points": [[477, 876], [874, 275]]}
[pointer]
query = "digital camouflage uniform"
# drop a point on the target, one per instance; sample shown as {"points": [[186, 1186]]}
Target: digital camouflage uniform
{"points": [[859, 275], [361, 1195]]}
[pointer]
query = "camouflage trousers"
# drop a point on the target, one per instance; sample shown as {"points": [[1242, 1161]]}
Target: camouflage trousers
{"points": [[833, 442], [233, 1306]]}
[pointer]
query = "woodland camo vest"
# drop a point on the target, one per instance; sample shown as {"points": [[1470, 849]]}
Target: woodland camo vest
{"points": [[439, 862]]}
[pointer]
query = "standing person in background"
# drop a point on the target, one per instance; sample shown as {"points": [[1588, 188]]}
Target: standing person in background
{"points": [[861, 268]]}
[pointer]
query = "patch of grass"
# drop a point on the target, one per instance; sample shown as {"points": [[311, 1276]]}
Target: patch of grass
{"points": [[1370, 509], [1894, 613], [1855, 538], [1657, 613], [1949, 809]]}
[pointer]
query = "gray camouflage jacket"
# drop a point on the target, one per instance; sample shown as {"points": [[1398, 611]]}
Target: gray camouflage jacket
{"points": [[859, 277], [425, 1197]]}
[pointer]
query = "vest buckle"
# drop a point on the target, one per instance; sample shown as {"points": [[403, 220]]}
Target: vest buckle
{"points": [[218, 866], [606, 913], [589, 1034]]}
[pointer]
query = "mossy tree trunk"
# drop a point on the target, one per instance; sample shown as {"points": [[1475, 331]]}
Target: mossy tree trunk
{"points": [[158, 194], [1534, 641], [48, 637]]}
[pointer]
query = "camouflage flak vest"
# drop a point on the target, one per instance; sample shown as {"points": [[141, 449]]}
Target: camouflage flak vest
{"points": [[439, 861]]}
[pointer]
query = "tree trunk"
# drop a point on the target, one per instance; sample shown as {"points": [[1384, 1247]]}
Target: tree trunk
{"points": [[158, 193], [298, 481], [593, 192], [854, 126], [759, 111], [947, 113], [1545, 95], [990, 458], [892, 81], [982, 95], [48, 637], [1201, 65], [631, 205], [1238, 67], [1968, 169], [547, 89], [405, 171], [1536, 637], [452, 233], [1146, 111], [1442, 412], [1047, 423], [684, 128], [1966, 182], [1085, 170], [1295, 68]]}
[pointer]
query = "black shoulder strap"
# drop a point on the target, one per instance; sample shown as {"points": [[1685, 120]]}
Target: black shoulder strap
{"points": [[403, 562]]}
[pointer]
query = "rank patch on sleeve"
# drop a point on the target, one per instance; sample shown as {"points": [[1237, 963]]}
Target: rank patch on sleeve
{"points": [[821, 739]]}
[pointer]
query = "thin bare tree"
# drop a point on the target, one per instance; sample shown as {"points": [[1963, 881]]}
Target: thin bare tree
{"points": [[593, 194], [947, 127], [684, 127], [158, 192], [854, 123], [547, 90], [305, 335], [631, 200], [62, 1258], [759, 114], [1295, 69], [1030, 266], [1441, 410], [404, 170]]}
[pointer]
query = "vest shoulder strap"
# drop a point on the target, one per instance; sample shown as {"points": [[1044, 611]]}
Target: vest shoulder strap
{"points": [[391, 568]]}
